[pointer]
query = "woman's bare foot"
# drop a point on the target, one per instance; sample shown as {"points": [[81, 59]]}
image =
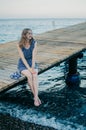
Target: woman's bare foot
{"points": [[37, 101]]}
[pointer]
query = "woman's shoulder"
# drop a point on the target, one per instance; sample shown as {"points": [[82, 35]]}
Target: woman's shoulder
{"points": [[20, 48], [34, 42]]}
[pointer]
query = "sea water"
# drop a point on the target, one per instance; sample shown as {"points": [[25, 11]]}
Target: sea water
{"points": [[11, 28], [17, 101]]}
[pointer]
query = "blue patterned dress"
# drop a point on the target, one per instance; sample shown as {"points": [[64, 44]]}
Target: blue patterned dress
{"points": [[28, 56]]}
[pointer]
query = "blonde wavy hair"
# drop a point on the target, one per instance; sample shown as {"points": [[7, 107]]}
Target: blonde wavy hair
{"points": [[23, 38]]}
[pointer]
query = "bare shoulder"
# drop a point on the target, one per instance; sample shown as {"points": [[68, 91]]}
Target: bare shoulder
{"points": [[35, 43], [17, 45]]}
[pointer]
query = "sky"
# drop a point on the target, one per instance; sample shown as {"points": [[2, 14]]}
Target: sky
{"points": [[42, 8]]}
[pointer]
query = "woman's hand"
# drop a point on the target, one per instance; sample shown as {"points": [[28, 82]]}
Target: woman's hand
{"points": [[32, 70]]}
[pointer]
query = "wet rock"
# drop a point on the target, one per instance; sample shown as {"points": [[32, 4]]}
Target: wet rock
{"points": [[9, 123]]}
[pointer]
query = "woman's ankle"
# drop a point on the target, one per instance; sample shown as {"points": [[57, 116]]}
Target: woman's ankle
{"points": [[36, 97]]}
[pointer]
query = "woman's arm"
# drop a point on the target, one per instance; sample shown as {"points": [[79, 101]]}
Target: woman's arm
{"points": [[34, 55]]}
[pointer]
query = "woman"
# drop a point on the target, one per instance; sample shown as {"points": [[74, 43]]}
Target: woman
{"points": [[27, 49]]}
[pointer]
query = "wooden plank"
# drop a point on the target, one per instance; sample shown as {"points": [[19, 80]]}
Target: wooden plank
{"points": [[53, 48]]}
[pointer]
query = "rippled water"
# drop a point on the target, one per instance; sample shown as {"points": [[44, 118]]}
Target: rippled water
{"points": [[62, 108], [12, 28]]}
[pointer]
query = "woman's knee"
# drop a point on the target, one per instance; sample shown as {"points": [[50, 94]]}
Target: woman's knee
{"points": [[27, 74], [29, 77]]}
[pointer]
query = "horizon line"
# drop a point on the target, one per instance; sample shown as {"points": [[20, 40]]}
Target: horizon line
{"points": [[43, 18]]}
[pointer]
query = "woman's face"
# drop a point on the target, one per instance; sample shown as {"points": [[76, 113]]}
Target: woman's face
{"points": [[29, 35]]}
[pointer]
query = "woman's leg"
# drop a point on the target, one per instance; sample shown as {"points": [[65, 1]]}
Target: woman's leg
{"points": [[34, 90], [35, 86], [29, 77]]}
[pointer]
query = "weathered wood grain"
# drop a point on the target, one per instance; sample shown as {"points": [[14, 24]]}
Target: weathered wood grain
{"points": [[53, 47]]}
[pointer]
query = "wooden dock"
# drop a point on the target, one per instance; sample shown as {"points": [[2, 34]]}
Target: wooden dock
{"points": [[54, 47]]}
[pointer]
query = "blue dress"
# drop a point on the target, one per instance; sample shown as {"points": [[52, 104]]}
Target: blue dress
{"points": [[28, 56]]}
